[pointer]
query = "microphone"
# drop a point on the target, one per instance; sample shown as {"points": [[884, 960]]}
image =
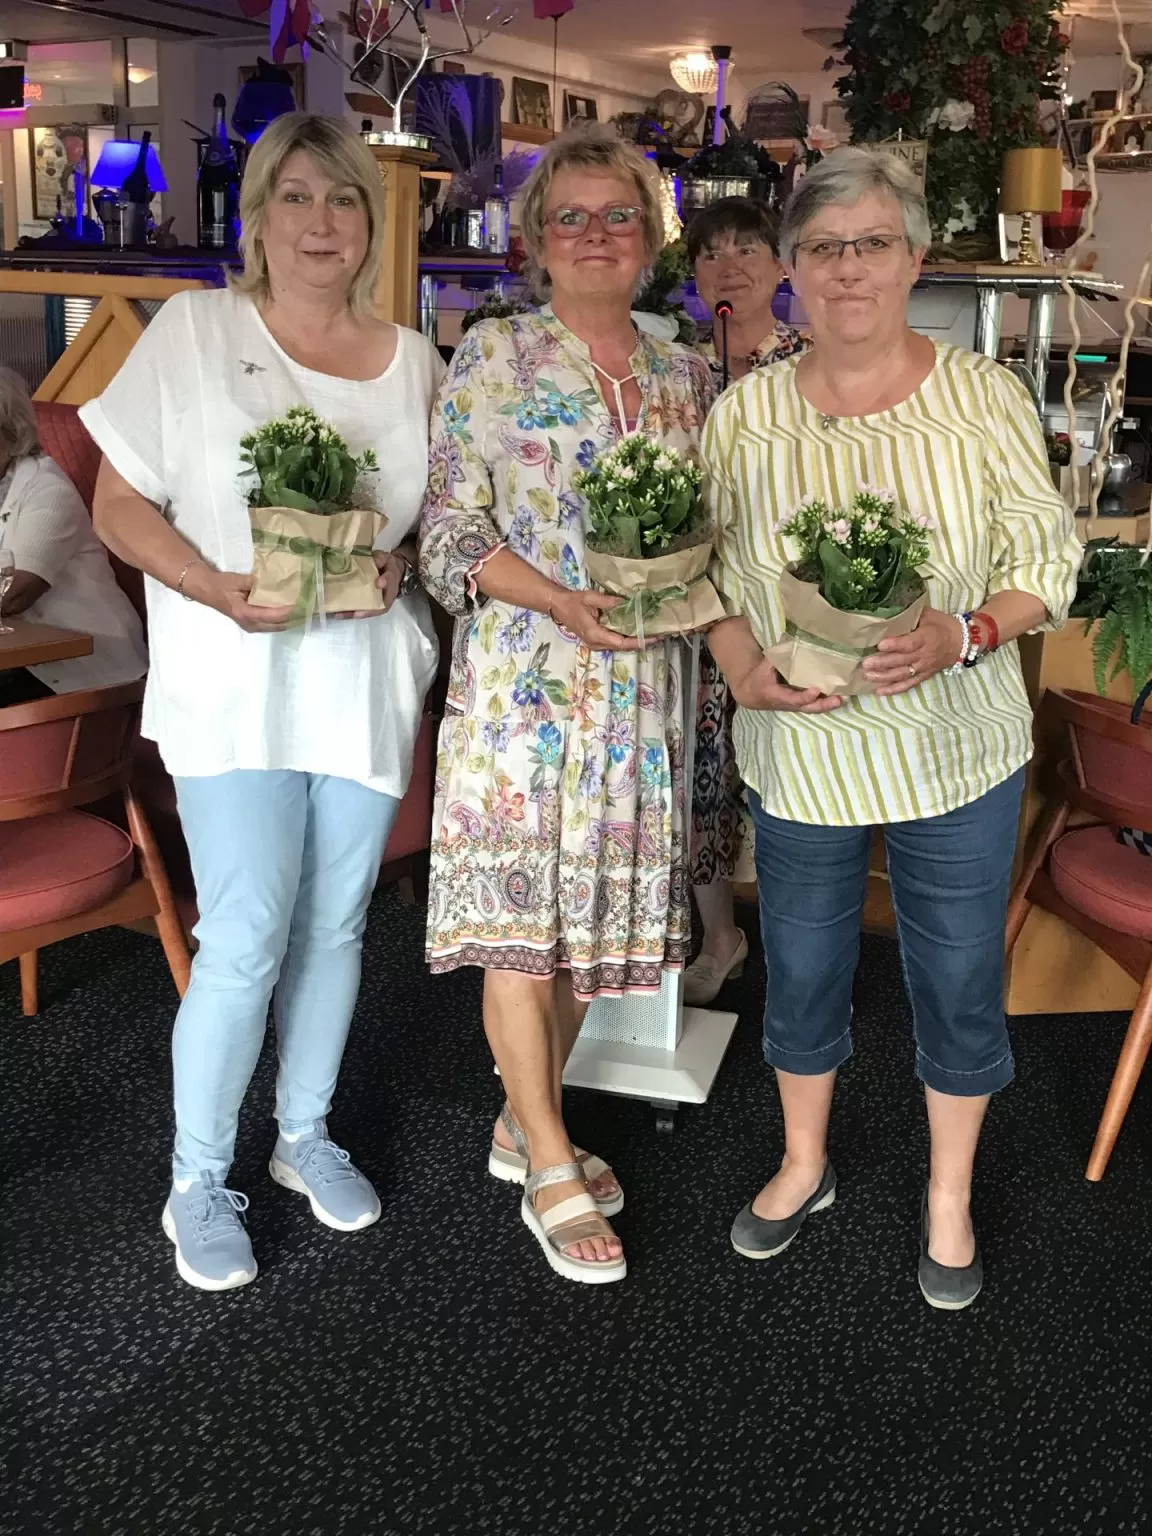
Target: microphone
{"points": [[723, 312]]}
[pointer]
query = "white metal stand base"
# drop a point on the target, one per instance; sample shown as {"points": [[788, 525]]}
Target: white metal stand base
{"points": [[666, 1078], [648, 1045]]}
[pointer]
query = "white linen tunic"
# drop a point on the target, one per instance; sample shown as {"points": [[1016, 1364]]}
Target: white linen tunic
{"points": [[341, 698]]}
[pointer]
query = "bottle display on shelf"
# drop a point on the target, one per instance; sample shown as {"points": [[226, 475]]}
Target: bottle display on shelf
{"points": [[218, 187], [496, 223]]}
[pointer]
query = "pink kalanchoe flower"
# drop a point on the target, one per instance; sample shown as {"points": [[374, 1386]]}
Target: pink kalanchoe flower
{"points": [[841, 531], [924, 522]]}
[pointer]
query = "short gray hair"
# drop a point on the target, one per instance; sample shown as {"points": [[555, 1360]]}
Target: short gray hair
{"points": [[346, 160], [589, 147], [843, 178], [19, 434]]}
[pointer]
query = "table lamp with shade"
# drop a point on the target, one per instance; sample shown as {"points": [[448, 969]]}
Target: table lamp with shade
{"points": [[1031, 184], [128, 175]]}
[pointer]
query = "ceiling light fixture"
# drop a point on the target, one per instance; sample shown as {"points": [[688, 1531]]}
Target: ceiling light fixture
{"points": [[695, 72]]}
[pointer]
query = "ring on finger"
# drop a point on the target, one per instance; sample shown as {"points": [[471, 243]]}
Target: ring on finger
{"points": [[911, 671]]}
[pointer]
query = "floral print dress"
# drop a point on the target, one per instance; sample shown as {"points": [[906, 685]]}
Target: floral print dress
{"points": [[721, 831], [559, 831]]}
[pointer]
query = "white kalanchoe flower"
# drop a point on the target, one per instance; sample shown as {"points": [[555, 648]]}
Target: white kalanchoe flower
{"points": [[953, 115]]}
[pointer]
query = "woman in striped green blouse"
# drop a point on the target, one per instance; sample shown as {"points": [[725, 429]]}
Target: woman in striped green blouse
{"points": [[936, 754]]}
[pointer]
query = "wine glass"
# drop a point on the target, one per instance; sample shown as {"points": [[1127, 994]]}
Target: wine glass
{"points": [[7, 577]]}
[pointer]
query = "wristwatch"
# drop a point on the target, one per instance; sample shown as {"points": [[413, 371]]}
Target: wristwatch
{"points": [[410, 581]]}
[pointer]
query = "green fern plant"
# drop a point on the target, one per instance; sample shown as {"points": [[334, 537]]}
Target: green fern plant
{"points": [[1116, 590]]}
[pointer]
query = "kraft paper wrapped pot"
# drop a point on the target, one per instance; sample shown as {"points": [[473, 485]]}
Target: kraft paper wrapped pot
{"points": [[314, 563], [825, 647], [668, 595]]}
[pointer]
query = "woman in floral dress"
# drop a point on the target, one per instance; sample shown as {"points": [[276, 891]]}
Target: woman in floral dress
{"points": [[733, 247], [559, 846]]}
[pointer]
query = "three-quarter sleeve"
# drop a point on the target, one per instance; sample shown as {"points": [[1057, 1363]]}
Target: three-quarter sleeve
{"points": [[1034, 544], [127, 419], [458, 530], [719, 489]]}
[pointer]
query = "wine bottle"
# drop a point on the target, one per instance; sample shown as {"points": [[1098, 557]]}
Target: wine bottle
{"points": [[496, 215], [218, 186], [135, 188]]}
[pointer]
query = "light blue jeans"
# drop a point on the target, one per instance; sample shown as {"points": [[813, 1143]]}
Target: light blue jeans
{"points": [[284, 864]]}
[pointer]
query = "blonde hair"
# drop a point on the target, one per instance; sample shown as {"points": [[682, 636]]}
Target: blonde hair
{"points": [[589, 147], [346, 160], [19, 434]]}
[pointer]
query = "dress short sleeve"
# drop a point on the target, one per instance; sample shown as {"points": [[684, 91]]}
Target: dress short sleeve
{"points": [[128, 420]]}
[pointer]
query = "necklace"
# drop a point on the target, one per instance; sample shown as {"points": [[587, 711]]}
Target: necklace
{"points": [[617, 390]]}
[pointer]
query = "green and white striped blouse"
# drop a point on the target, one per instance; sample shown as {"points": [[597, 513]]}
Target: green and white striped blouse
{"points": [[967, 450]]}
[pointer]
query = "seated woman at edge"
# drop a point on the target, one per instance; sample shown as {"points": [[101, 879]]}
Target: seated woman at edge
{"points": [[559, 846], [935, 756], [62, 573], [290, 751], [733, 247]]}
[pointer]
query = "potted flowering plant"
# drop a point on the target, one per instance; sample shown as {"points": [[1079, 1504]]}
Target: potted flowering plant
{"points": [[312, 536], [855, 583], [649, 538]]}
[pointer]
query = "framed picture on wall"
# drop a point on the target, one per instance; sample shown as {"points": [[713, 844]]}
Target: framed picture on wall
{"points": [[295, 71], [770, 118], [55, 153], [834, 117], [579, 109], [531, 103]]}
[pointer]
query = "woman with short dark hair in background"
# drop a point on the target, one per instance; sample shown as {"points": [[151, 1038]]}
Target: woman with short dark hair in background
{"points": [[733, 248]]}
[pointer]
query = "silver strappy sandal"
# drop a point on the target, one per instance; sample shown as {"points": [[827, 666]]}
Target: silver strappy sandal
{"points": [[572, 1221], [512, 1165]]}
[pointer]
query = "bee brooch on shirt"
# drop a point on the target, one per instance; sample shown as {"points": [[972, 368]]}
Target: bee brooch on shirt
{"points": [[251, 368]]}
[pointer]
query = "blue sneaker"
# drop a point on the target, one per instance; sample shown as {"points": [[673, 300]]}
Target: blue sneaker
{"points": [[341, 1196], [205, 1222]]}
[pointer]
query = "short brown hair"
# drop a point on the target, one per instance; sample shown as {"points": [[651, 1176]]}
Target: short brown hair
{"points": [[589, 147], [740, 217], [344, 157]]}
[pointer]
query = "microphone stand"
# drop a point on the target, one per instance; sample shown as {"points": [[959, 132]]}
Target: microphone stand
{"points": [[721, 312]]}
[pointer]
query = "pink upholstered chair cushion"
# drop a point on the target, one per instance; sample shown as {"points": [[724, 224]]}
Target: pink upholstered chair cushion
{"points": [[55, 866], [1103, 879]]}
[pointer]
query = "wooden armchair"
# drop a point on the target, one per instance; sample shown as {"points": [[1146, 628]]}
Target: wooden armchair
{"points": [[1093, 882], [64, 871]]}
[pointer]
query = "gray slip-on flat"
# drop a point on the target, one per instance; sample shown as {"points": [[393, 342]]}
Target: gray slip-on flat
{"points": [[757, 1238], [947, 1287]]}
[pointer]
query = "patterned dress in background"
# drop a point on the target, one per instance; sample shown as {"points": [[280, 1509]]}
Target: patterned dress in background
{"points": [[559, 830], [721, 833]]}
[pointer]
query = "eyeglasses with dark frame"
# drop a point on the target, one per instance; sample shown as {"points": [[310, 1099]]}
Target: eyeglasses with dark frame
{"points": [[871, 249], [572, 221]]}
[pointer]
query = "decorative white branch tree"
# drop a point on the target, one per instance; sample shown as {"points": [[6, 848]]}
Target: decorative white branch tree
{"points": [[383, 25]]}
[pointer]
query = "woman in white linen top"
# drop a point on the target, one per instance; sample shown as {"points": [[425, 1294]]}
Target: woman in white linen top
{"points": [[290, 749], [63, 575]]}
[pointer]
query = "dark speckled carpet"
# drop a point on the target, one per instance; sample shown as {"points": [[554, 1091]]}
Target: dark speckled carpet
{"points": [[432, 1375]]}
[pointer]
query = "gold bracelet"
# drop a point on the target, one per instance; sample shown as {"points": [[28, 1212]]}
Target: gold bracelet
{"points": [[183, 573]]}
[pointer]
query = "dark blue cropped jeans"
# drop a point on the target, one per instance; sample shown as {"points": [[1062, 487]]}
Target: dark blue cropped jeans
{"points": [[950, 878]]}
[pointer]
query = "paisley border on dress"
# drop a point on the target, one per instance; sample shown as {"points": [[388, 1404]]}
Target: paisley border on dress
{"points": [[606, 978]]}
